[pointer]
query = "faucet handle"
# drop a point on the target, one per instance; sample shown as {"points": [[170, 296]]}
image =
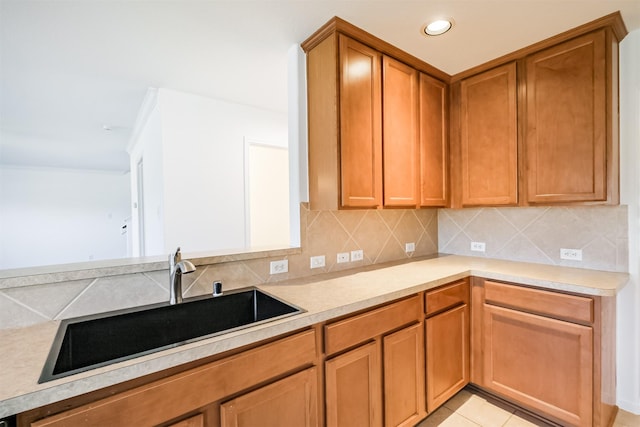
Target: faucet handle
{"points": [[176, 256]]}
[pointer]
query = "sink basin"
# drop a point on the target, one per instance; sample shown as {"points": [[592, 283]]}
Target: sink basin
{"points": [[89, 342]]}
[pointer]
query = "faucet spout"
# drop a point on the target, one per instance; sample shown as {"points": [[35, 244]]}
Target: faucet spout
{"points": [[177, 267]]}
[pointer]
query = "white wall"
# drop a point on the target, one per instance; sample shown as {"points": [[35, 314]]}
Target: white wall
{"points": [[266, 196], [628, 323], [203, 158], [81, 212], [148, 148]]}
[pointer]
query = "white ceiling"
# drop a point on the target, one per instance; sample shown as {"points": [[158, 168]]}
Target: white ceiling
{"points": [[69, 67]]}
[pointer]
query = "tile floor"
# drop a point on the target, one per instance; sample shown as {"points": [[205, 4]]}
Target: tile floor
{"points": [[471, 409]]}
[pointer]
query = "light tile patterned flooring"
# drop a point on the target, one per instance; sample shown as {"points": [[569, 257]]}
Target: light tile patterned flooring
{"points": [[471, 409]]}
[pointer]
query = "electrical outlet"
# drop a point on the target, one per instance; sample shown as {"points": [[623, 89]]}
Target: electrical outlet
{"points": [[278, 267], [409, 247], [357, 255], [478, 246], [317, 261], [343, 257], [571, 254]]}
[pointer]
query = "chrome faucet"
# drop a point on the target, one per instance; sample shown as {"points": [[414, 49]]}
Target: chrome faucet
{"points": [[177, 267]]}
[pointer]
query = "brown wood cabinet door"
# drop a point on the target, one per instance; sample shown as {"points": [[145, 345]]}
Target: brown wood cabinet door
{"points": [[195, 421], [543, 363], [404, 402], [290, 401], [400, 133], [433, 142], [566, 138], [353, 384], [489, 138], [447, 355], [360, 124]]}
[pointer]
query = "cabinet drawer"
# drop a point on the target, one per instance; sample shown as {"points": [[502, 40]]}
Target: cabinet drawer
{"points": [[447, 296], [552, 304], [354, 330]]}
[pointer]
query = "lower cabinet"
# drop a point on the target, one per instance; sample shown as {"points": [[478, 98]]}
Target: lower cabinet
{"points": [[547, 351], [550, 352], [292, 401], [403, 371], [354, 388], [381, 380], [192, 398], [541, 362], [447, 344]]}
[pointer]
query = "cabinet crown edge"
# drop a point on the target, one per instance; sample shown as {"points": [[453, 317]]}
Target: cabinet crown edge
{"points": [[339, 25]]}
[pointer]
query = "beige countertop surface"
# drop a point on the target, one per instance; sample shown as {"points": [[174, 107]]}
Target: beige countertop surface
{"points": [[324, 297]]}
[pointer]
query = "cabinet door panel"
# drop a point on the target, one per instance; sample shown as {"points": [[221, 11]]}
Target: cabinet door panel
{"points": [[566, 125], [195, 421], [404, 401], [539, 362], [360, 125], [447, 355], [293, 400], [433, 142], [400, 133], [489, 138], [354, 388]]}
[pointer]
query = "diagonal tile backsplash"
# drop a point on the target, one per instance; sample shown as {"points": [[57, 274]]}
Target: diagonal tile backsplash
{"points": [[536, 234], [381, 234], [533, 234]]}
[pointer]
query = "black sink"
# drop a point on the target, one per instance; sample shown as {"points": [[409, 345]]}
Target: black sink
{"points": [[89, 342]]}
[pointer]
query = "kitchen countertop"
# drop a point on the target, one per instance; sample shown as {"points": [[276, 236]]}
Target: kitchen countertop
{"points": [[25, 350]]}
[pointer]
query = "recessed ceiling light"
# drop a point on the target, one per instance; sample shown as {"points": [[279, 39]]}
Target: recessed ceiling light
{"points": [[438, 26]]}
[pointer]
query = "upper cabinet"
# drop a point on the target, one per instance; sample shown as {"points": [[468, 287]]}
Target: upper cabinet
{"points": [[361, 130], [434, 142], [367, 105], [569, 139], [489, 138], [538, 126], [345, 162], [400, 133]]}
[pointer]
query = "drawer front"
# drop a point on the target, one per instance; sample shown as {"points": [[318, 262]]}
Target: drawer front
{"points": [[447, 296], [357, 329], [552, 304]]}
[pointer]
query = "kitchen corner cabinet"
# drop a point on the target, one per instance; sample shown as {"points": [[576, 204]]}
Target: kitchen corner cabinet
{"points": [[447, 342], [571, 121], [489, 138], [375, 367], [544, 351], [434, 142]]}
